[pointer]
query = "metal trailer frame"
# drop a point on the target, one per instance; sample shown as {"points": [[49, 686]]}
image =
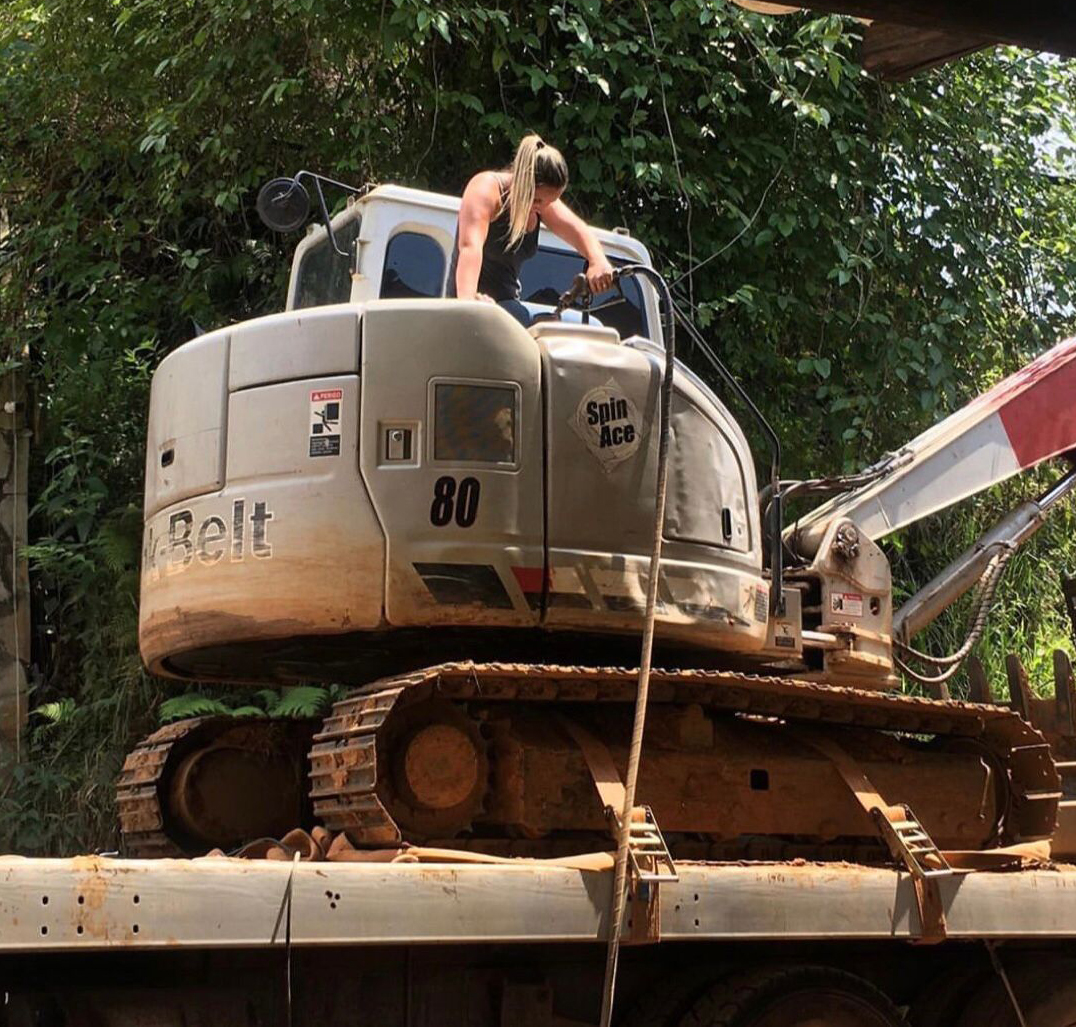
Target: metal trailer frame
{"points": [[97, 903]]}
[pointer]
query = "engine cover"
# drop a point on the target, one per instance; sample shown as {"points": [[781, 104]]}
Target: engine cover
{"points": [[334, 492]]}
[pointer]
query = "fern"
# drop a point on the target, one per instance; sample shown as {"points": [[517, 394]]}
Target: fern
{"points": [[57, 712], [120, 536], [301, 701], [193, 704], [296, 701]]}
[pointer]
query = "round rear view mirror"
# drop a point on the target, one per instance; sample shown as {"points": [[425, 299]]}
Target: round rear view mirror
{"points": [[283, 204]]}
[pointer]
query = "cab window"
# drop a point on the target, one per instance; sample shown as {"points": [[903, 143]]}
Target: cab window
{"points": [[475, 421], [550, 272], [324, 276], [414, 267]]}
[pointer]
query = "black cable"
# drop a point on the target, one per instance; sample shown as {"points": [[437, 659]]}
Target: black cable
{"points": [[619, 892]]}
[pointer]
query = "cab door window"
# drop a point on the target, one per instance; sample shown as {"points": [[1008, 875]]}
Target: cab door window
{"points": [[414, 267], [324, 276]]}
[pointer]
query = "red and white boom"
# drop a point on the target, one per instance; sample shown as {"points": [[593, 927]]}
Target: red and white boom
{"points": [[1025, 419]]}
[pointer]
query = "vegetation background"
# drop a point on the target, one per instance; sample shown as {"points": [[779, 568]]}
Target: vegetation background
{"points": [[866, 256]]}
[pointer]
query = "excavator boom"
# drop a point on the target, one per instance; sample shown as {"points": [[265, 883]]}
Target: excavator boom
{"points": [[1025, 419]]}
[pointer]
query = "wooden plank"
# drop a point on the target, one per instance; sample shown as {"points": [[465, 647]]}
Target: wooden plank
{"points": [[1068, 590], [897, 52], [1019, 689], [1037, 24], [980, 690], [1064, 694], [14, 580]]}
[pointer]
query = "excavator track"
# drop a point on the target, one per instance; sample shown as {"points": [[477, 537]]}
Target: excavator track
{"points": [[349, 759], [172, 800], [196, 784], [138, 802]]}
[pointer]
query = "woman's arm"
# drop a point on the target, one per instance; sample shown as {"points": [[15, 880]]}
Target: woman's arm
{"points": [[576, 232], [481, 199]]}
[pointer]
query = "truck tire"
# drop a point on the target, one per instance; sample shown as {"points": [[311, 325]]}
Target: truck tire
{"points": [[666, 1005], [794, 996], [940, 1002]]}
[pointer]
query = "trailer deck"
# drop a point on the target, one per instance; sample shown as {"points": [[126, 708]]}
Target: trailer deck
{"points": [[98, 903]]}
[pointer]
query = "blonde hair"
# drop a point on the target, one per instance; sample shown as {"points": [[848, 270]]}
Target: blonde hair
{"points": [[535, 164]]}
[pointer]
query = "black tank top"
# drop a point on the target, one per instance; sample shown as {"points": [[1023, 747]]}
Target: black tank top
{"points": [[499, 277]]}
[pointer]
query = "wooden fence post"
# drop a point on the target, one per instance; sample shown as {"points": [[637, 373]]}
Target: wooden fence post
{"points": [[14, 577]]}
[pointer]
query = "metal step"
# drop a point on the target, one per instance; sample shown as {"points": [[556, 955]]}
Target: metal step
{"points": [[651, 861], [910, 843]]}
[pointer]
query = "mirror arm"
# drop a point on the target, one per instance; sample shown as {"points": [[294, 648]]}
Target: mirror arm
{"points": [[317, 180]]}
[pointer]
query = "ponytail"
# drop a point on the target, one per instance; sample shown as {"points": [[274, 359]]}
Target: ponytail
{"points": [[535, 164]]}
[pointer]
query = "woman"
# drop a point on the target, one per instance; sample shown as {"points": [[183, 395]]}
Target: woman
{"points": [[500, 217]]}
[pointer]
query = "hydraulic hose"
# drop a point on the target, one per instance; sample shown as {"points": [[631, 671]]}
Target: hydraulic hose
{"points": [[948, 666]]}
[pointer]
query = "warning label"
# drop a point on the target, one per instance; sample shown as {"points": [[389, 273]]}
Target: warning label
{"points": [[325, 406], [848, 603]]}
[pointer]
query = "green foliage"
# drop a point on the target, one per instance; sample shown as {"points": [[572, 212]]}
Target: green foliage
{"points": [[302, 701], [295, 701], [193, 704], [865, 256]]}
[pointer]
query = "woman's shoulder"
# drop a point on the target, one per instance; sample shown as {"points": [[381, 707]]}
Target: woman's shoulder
{"points": [[486, 184]]}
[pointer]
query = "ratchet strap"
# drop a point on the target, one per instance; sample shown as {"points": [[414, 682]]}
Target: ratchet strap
{"points": [[649, 858], [906, 839]]}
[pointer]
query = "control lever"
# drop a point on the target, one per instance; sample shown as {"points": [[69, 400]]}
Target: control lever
{"points": [[575, 293], [578, 292]]}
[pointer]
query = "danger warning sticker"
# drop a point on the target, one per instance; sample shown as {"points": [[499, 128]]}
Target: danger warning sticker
{"points": [[848, 603], [325, 407]]}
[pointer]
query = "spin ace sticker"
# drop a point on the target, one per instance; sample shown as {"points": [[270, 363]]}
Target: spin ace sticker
{"points": [[325, 406], [609, 423]]}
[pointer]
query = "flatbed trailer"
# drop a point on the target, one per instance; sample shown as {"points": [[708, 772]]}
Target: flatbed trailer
{"points": [[215, 940]]}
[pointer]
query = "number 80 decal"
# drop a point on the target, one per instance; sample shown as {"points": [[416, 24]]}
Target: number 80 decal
{"points": [[448, 500]]}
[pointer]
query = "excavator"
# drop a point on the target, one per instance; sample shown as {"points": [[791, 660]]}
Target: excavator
{"points": [[448, 517]]}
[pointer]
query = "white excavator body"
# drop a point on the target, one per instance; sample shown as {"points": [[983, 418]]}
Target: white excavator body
{"points": [[395, 463]]}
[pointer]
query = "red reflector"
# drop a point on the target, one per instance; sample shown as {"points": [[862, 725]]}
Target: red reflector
{"points": [[531, 579]]}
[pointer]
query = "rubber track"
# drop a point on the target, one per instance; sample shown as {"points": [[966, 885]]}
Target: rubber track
{"points": [[137, 799], [344, 755]]}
